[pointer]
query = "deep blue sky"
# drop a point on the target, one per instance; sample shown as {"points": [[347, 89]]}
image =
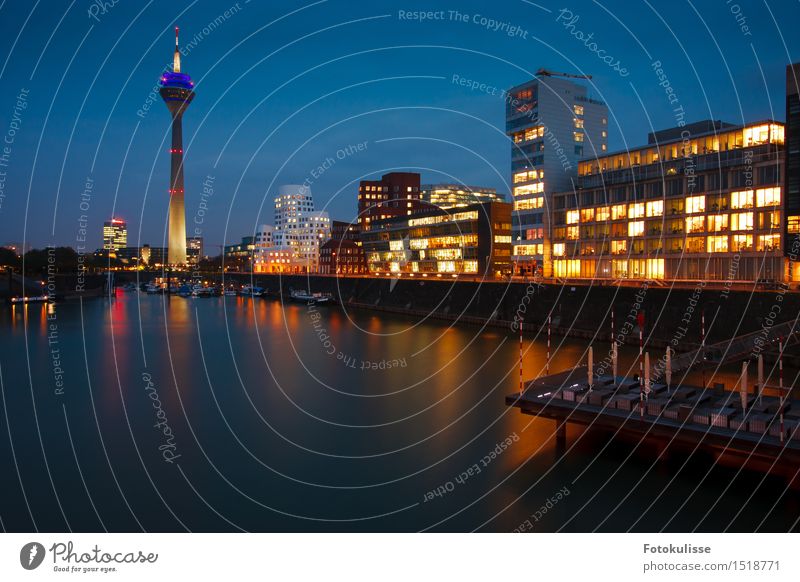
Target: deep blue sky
{"points": [[387, 78]]}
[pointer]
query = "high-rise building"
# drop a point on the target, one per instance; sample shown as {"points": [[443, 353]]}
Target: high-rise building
{"points": [[552, 123], [454, 195], [395, 194], [115, 234], [703, 202], [791, 203], [194, 249], [177, 92], [298, 226]]}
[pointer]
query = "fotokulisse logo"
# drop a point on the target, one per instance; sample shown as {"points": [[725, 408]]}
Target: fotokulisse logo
{"points": [[31, 555]]}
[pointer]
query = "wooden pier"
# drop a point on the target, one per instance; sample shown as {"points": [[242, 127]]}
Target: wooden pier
{"points": [[745, 429]]}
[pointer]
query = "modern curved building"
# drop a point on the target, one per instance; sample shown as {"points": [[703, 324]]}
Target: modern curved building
{"points": [[177, 91]]}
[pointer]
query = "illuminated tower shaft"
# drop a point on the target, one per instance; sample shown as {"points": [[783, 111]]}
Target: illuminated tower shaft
{"points": [[177, 92]]}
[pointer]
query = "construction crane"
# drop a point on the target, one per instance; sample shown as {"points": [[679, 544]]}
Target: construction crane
{"points": [[548, 73]]}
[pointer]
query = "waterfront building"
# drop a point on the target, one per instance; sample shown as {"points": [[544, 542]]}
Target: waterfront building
{"points": [[177, 92], [700, 202], [455, 195], [115, 235], [472, 240], [792, 173], [342, 257], [341, 230], [552, 123], [298, 227], [395, 194], [194, 250], [152, 256]]}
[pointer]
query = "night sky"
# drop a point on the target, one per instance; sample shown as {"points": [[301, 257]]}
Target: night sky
{"points": [[283, 86]]}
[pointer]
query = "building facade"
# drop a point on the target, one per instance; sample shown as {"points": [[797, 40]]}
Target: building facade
{"points": [[395, 194], [298, 227], [552, 123], [701, 206], [342, 257], [792, 173], [194, 250], [473, 241], [455, 195], [115, 235]]}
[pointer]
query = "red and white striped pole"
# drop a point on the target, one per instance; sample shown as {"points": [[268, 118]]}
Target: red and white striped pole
{"points": [[640, 321], [547, 363], [520, 359], [780, 380], [612, 326], [703, 345]]}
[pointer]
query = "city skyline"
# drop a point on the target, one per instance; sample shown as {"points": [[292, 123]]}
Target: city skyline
{"points": [[126, 179]]}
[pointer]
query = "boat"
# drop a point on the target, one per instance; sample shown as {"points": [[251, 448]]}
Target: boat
{"points": [[302, 296], [230, 292], [252, 291], [204, 292], [152, 289]]}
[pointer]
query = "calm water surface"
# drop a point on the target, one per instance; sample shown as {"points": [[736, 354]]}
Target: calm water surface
{"points": [[226, 414]]}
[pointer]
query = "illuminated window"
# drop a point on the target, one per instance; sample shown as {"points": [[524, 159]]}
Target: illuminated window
{"points": [[470, 266], [618, 211], [567, 268], [572, 216], [743, 199], [527, 250], [446, 266], [578, 136], [636, 210], [572, 233], [695, 204], [695, 244], [602, 214], [604, 133], [655, 208], [587, 214], [655, 268], [741, 242], [520, 177], [502, 239], [769, 220], [742, 221], [636, 228], [695, 224], [793, 224], [536, 188], [619, 247], [768, 197], [395, 245], [578, 123], [530, 204], [578, 109], [768, 242], [718, 223], [717, 244], [558, 250]]}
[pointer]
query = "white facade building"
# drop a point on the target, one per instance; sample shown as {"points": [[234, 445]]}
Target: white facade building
{"points": [[298, 226], [552, 124]]}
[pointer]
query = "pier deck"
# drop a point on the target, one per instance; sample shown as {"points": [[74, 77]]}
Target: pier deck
{"points": [[711, 419]]}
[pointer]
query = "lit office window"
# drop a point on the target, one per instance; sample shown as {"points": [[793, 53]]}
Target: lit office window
{"points": [[572, 216], [768, 242], [618, 211], [603, 213], [742, 221], [743, 199], [768, 197], [636, 228], [558, 250], [636, 210], [718, 223], [741, 242], [717, 244], [655, 208], [695, 204]]}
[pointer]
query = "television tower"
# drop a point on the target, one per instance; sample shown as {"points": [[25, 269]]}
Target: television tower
{"points": [[177, 92]]}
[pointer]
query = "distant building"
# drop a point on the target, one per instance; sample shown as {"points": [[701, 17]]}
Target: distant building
{"points": [[472, 241], [115, 234], [552, 124], [454, 195], [341, 230], [395, 194], [152, 256], [194, 249]]}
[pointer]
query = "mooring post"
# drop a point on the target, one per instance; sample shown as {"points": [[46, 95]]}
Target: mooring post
{"points": [[561, 433]]}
